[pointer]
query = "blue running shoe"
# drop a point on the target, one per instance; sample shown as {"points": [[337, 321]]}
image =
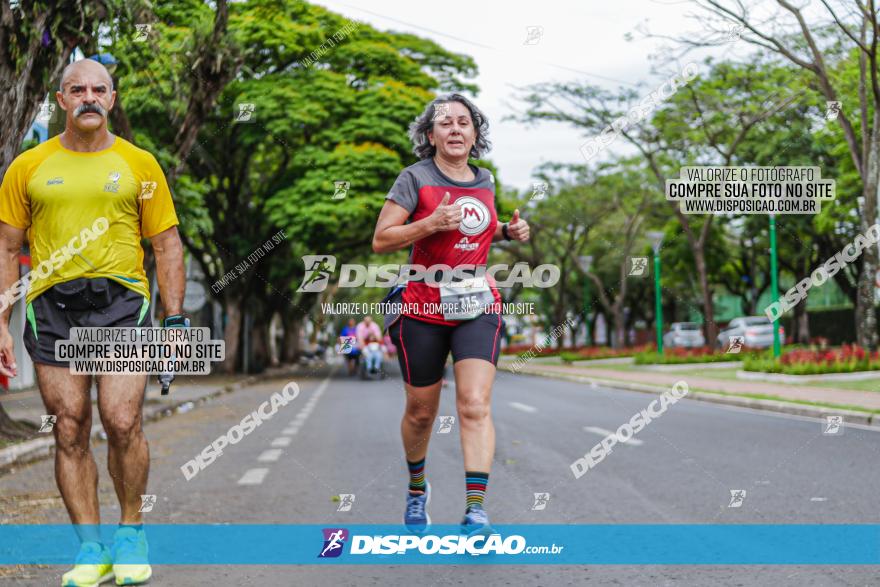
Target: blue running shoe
{"points": [[416, 517], [476, 522]]}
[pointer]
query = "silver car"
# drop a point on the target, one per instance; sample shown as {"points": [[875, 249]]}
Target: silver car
{"points": [[755, 332], [684, 335]]}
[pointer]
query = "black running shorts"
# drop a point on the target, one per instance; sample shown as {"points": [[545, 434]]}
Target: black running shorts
{"points": [[82, 302], [422, 347]]}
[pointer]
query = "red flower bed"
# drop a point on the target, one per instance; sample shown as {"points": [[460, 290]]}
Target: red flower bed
{"points": [[845, 354]]}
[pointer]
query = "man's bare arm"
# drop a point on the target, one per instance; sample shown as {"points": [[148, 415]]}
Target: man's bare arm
{"points": [[11, 239], [169, 270]]}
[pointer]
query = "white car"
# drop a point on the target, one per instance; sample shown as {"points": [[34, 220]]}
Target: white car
{"points": [[757, 332], [684, 335]]}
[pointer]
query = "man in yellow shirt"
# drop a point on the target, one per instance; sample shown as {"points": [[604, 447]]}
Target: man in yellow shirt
{"points": [[84, 200]]}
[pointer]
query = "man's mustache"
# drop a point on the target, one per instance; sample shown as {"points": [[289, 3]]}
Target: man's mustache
{"points": [[89, 108]]}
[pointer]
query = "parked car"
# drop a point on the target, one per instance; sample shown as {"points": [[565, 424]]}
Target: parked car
{"points": [[684, 335], [757, 332]]}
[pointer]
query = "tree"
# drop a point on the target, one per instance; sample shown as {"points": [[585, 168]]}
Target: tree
{"points": [[821, 42]]}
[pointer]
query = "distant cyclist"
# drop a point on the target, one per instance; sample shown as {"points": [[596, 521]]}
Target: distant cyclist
{"points": [[87, 177], [444, 209]]}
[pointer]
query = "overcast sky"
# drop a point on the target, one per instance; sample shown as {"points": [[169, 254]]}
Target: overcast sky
{"points": [[585, 36]]}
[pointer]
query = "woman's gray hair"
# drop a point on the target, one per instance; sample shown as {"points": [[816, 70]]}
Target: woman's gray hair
{"points": [[418, 130]]}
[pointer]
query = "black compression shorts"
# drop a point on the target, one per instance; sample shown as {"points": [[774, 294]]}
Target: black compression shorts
{"points": [[422, 347]]}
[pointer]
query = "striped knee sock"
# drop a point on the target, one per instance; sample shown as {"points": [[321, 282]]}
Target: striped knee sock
{"points": [[476, 488], [416, 475]]}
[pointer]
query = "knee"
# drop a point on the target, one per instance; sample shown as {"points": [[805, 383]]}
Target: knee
{"points": [[474, 407], [122, 429], [72, 434], [420, 417]]}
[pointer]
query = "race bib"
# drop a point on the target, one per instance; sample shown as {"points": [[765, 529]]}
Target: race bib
{"points": [[465, 299]]}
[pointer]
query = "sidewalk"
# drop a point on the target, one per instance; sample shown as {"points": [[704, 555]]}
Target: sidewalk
{"points": [[186, 393], [862, 406]]}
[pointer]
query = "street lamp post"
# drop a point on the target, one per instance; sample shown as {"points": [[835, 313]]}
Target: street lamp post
{"points": [[774, 286], [586, 261], [656, 241]]}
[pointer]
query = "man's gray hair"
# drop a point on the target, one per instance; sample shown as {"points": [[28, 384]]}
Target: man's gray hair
{"points": [[418, 130]]}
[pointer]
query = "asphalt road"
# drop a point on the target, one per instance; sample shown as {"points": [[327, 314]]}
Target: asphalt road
{"points": [[344, 438]]}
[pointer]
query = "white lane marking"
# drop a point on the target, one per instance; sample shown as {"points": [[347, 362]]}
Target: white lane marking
{"points": [[271, 455], [523, 407], [818, 499], [292, 430], [253, 477], [603, 432], [282, 441]]}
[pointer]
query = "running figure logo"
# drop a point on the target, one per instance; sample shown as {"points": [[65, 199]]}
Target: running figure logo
{"points": [[639, 266], [319, 268], [245, 112], [737, 497], [340, 190], [539, 190], [541, 500], [346, 500], [334, 540], [47, 422], [346, 345], [147, 503], [141, 32], [736, 344], [833, 425], [832, 109], [446, 424], [533, 35]]}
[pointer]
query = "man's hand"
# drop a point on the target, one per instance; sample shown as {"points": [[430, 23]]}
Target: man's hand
{"points": [[7, 354], [446, 217], [517, 228]]}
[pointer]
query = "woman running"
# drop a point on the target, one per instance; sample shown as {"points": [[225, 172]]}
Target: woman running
{"points": [[444, 208]]}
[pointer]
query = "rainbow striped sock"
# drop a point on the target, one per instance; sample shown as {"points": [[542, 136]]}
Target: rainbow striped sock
{"points": [[416, 475], [476, 488]]}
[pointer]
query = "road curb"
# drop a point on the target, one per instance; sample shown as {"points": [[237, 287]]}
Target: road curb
{"points": [[36, 449], [731, 400]]}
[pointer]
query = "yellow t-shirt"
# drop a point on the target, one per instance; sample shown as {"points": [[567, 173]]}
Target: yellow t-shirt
{"points": [[86, 213]]}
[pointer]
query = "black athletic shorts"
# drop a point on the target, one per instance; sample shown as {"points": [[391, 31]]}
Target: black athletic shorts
{"points": [[422, 347], [97, 302]]}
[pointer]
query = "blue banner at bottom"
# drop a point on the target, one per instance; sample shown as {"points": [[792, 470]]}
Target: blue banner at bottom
{"points": [[277, 544]]}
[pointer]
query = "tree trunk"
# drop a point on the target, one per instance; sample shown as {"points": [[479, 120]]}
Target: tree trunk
{"points": [[866, 316], [802, 323], [290, 348], [706, 292], [260, 337], [231, 332], [619, 340]]}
